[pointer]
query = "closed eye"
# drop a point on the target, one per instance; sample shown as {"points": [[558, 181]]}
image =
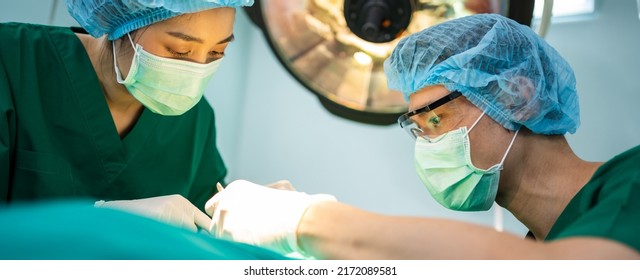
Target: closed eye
{"points": [[178, 54], [216, 54]]}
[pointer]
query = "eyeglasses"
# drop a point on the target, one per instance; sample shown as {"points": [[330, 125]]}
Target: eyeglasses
{"points": [[434, 119]]}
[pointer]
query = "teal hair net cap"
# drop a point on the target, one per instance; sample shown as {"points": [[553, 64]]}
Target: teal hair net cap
{"points": [[119, 17], [499, 65]]}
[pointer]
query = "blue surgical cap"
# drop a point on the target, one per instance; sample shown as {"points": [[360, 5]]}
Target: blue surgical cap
{"points": [[499, 65], [119, 17]]}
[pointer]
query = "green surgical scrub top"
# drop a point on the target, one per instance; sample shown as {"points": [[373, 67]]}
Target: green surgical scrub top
{"points": [[58, 139], [608, 206]]}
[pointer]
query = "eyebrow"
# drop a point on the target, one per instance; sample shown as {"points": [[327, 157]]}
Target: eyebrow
{"points": [[189, 38], [228, 39]]}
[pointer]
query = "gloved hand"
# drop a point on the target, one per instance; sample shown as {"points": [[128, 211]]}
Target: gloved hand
{"points": [[173, 209], [259, 215], [282, 185]]}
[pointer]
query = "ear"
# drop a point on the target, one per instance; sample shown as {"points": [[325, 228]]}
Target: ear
{"points": [[523, 91]]}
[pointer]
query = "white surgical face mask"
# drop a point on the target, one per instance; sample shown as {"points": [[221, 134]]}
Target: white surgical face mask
{"points": [[444, 166], [165, 86]]}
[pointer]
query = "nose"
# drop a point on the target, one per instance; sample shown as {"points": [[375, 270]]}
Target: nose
{"points": [[206, 60], [201, 58]]}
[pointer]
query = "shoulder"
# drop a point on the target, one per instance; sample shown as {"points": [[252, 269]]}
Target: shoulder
{"points": [[26, 38], [618, 180], [12, 34], [623, 162], [608, 206], [13, 30]]}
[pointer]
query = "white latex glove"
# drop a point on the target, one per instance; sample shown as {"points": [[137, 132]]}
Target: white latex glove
{"points": [[173, 209], [282, 185], [258, 215]]}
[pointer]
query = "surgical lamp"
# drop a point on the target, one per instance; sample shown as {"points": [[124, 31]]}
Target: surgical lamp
{"points": [[336, 48]]}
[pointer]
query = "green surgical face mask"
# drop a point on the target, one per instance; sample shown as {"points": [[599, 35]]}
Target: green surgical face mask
{"points": [[165, 86], [444, 166]]}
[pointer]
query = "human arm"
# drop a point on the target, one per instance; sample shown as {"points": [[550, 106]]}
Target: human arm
{"points": [[171, 209], [210, 167], [333, 230]]}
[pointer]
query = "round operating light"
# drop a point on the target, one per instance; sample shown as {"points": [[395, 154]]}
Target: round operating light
{"points": [[336, 49]]}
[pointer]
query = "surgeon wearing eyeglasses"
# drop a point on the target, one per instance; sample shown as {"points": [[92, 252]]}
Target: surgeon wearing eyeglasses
{"points": [[489, 104]]}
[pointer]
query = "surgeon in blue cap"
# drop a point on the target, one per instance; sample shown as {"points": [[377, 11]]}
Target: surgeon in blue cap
{"points": [[489, 104], [113, 111]]}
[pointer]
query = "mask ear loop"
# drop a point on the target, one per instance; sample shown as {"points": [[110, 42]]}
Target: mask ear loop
{"points": [[510, 144], [498, 215], [509, 148], [498, 212], [115, 62], [474, 124]]}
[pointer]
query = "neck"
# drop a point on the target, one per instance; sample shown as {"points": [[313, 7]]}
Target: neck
{"points": [[545, 175], [101, 56], [124, 108]]}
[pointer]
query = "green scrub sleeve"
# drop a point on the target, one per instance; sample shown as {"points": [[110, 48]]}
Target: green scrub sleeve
{"points": [[7, 126], [608, 206], [211, 170]]}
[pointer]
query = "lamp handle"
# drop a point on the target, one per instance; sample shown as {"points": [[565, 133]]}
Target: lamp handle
{"points": [[545, 20]]}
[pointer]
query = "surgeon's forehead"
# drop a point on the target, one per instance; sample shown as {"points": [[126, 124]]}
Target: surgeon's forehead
{"points": [[426, 96]]}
